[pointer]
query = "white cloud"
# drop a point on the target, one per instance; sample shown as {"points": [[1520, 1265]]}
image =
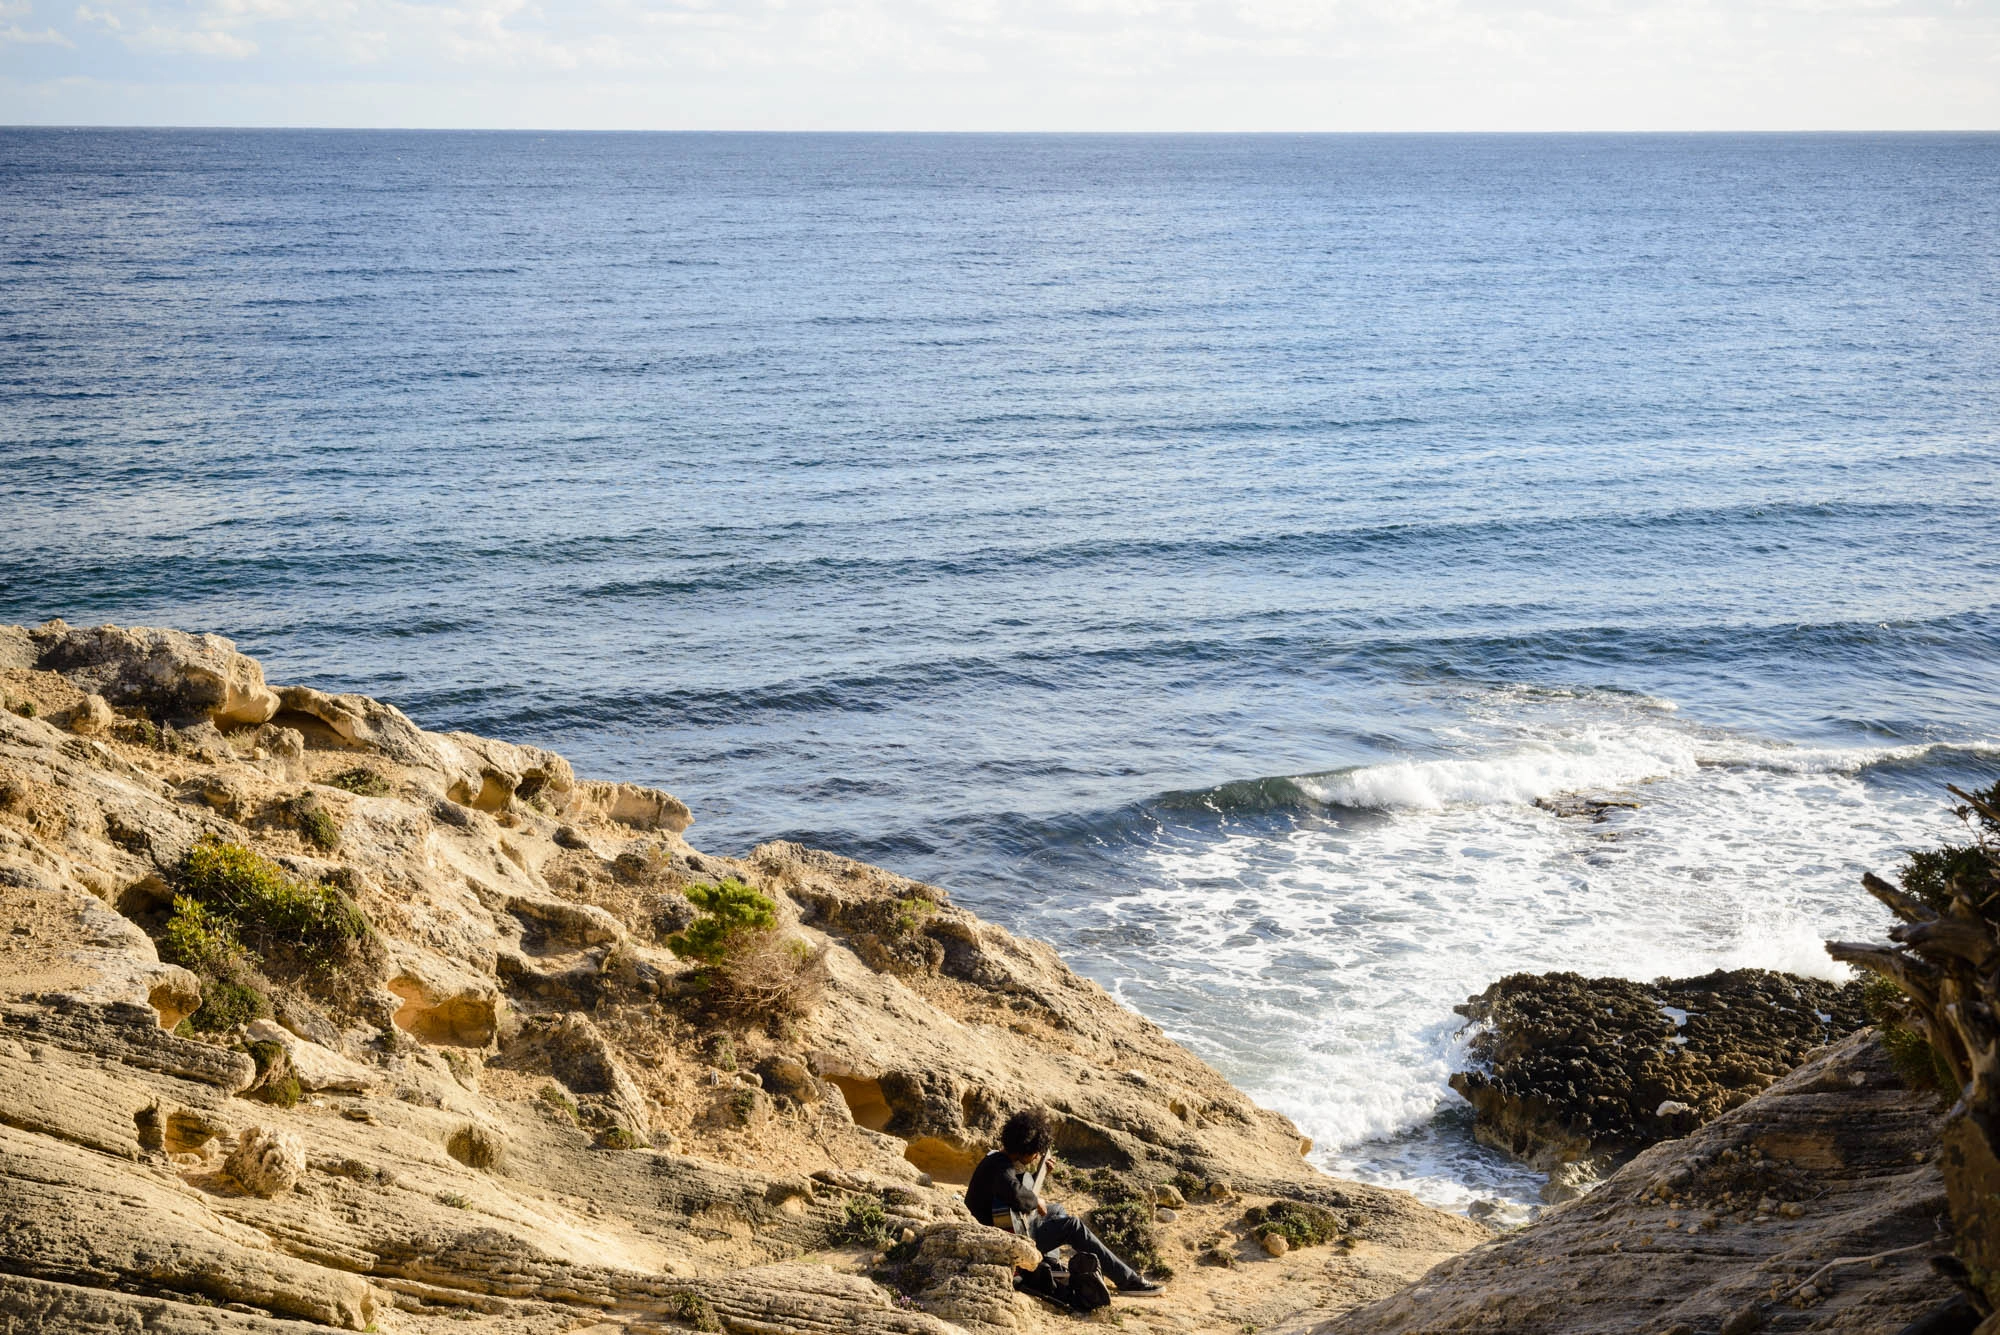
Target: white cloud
{"points": [[14, 12], [1117, 64], [20, 36], [207, 35], [194, 41]]}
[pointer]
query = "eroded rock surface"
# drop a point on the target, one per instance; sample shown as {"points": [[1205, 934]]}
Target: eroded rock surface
{"points": [[1817, 1206], [508, 1104]]}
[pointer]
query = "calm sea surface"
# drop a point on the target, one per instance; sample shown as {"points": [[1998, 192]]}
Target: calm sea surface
{"points": [[1198, 552]]}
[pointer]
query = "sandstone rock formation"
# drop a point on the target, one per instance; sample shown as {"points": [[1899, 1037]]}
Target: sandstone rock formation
{"points": [[311, 1017], [1575, 1070], [266, 1162], [1817, 1206], [178, 677]]}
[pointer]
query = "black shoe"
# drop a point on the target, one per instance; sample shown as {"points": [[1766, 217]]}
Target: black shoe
{"points": [[1140, 1288]]}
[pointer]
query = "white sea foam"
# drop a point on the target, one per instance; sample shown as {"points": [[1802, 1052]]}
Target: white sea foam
{"points": [[1584, 760], [1535, 769], [1319, 966]]}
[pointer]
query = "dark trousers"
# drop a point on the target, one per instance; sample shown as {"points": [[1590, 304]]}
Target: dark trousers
{"points": [[1059, 1226]]}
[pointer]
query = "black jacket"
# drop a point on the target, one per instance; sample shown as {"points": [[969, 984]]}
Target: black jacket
{"points": [[997, 1187]]}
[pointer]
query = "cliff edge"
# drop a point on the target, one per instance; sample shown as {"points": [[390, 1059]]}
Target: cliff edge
{"points": [[312, 1017]]}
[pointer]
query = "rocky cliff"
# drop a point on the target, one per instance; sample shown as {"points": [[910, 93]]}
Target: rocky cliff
{"points": [[312, 1017], [1816, 1206]]}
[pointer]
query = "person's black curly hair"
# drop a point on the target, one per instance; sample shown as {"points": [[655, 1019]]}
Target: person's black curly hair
{"points": [[1028, 1132]]}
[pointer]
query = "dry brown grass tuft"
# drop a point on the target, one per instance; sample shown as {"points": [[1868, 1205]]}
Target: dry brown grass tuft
{"points": [[769, 977]]}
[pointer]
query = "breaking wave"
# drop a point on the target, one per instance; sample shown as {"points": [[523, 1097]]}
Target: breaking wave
{"points": [[1586, 762]]}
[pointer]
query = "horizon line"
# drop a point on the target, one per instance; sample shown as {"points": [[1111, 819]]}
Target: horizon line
{"points": [[636, 130]]}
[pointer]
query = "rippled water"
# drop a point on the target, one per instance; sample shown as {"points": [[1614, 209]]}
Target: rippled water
{"points": [[1196, 551]]}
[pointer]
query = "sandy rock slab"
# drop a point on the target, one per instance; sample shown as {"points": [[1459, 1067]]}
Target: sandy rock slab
{"points": [[126, 1033], [39, 1307], [812, 1300], [315, 1066], [73, 1217], [1766, 1219]]}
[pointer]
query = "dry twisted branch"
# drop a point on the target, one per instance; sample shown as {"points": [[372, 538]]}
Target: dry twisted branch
{"points": [[1905, 906]]}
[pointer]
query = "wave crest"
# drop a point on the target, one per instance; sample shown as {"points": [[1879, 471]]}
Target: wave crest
{"points": [[1533, 770], [1587, 761]]}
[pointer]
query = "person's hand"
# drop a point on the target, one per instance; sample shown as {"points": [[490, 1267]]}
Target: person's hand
{"points": [[1042, 1210]]}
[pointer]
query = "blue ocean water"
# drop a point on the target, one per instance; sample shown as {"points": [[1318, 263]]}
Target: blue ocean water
{"points": [[1196, 551]]}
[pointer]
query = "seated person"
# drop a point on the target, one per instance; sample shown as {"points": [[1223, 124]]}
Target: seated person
{"points": [[1003, 1187]]}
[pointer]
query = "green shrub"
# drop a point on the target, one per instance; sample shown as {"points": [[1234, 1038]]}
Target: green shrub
{"points": [[1300, 1224], [910, 913], [1917, 1064], [749, 971], [728, 915], [205, 943], [1129, 1229], [26, 709], [1973, 868], [200, 940], [618, 1138], [314, 822], [692, 1309], [262, 907], [863, 1221], [361, 781], [454, 1200], [225, 1005], [1929, 875], [234, 880], [559, 1103], [1126, 1218]]}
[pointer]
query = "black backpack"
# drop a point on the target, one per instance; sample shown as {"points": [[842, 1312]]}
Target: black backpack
{"points": [[1079, 1288], [1087, 1290]]}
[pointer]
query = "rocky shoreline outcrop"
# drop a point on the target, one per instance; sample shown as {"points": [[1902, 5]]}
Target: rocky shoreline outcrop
{"points": [[1786, 1166], [1572, 1074], [1816, 1206], [311, 1017]]}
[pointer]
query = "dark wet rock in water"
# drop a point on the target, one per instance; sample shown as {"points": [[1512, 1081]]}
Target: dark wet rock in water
{"points": [[1582, 806], [1567, 1068]]}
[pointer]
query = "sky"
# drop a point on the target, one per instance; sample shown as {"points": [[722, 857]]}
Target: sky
{"points": [[1300, 65]]}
